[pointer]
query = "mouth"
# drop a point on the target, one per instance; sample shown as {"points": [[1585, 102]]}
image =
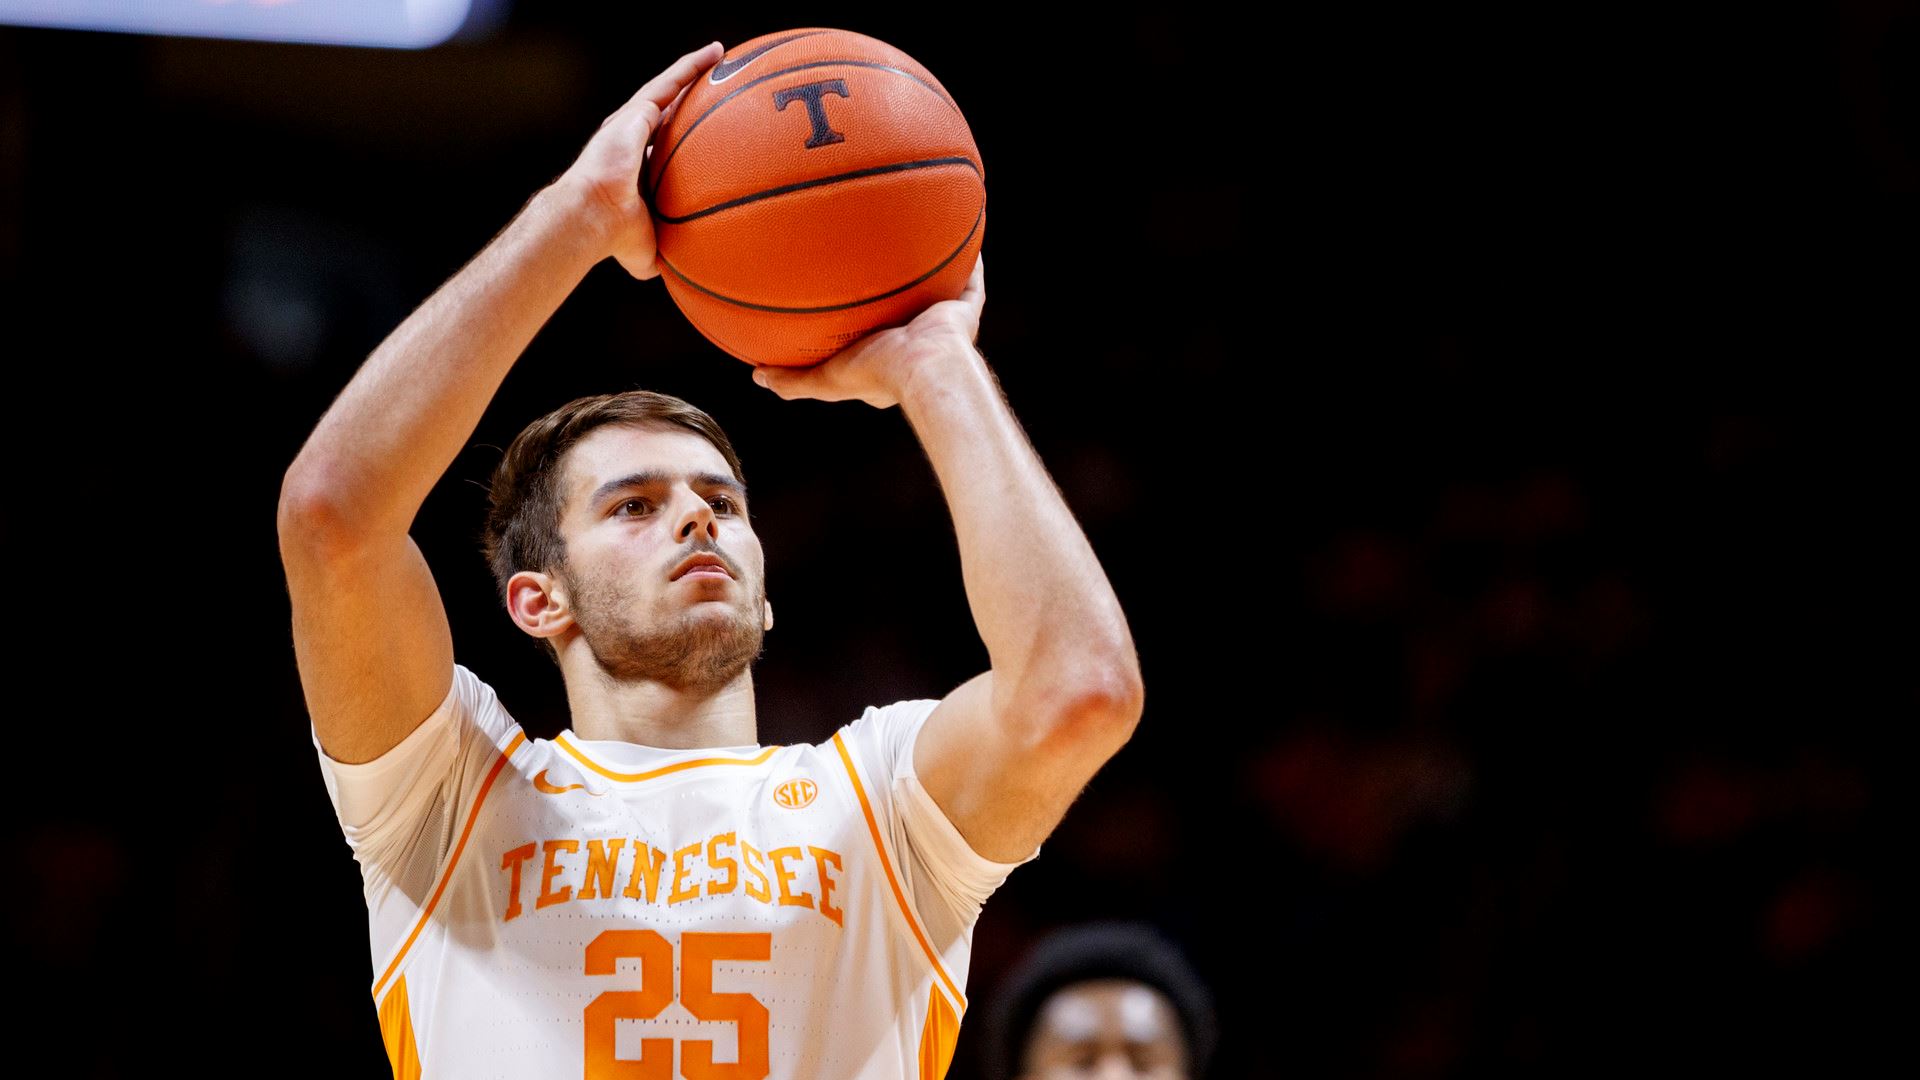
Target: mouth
{"points": [[702, 566]]}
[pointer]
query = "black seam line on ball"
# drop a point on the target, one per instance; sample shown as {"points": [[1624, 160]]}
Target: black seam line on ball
{"points": [[838, 178], [743, 87], [715, 76], [830, 307]]}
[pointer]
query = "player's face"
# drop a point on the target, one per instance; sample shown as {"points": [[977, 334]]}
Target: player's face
{"points": [[625, 541], [1107, 1029]]}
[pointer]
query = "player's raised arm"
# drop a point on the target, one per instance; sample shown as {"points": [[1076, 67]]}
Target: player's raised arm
{"points": [[1009, 750], [370, 633]]}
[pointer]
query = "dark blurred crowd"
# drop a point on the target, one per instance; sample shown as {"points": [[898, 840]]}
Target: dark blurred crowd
{"points": [[1513, 537]]}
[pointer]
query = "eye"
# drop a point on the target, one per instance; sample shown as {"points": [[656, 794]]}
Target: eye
{"points": [[727, 501], [630, 502]]}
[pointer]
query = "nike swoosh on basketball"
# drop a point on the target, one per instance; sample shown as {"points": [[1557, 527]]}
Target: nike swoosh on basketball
{"points": [[540, 782], [724, 70]]}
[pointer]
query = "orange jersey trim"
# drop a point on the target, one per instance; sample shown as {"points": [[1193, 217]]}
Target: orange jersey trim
{"points": [[396, 1031], [629, 778], [900, 897], [938, 1036], [446, 874]]}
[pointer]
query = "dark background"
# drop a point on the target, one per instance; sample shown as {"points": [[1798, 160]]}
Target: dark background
{"points": [[1489, 421]]}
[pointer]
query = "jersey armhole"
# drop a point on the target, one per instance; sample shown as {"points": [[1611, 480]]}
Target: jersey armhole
{"points": [[404, 750]]}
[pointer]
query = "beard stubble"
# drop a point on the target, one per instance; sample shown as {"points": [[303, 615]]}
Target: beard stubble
{"points": [[690, 651]]}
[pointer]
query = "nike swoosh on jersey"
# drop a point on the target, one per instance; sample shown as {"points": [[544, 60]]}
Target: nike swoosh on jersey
{"points": [[540, 782], [724, 70]]}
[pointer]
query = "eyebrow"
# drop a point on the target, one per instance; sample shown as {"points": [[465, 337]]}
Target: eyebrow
{"points": [[656, 477]]}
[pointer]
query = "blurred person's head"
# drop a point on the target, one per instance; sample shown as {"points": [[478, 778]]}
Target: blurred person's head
{"points": [[593, 510], [1107, 1000]]}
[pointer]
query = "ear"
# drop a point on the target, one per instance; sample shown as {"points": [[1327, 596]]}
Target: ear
{"points": [[769, 607], [538, 604]]}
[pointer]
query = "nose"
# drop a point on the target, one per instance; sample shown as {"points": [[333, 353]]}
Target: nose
{"points": [[1114, 1065], [695, 515]]}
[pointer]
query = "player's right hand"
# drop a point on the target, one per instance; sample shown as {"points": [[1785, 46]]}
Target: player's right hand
{"points": [[606, 175]]}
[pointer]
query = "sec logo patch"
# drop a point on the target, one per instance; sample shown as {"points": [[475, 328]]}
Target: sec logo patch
{"points": [[795, 794]]}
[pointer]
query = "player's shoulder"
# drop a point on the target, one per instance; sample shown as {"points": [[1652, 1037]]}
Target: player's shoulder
{"points": [[892, 716], [473, 700], [882, 733]]}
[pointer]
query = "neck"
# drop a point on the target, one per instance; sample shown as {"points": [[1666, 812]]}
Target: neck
{"points": [[655, 713]]}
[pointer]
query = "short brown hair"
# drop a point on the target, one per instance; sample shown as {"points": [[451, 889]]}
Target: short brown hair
{"points": [[524, 500]]}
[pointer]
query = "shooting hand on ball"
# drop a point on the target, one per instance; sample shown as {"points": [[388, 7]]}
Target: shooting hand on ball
{"points": [[606, 175], [876, 368]]}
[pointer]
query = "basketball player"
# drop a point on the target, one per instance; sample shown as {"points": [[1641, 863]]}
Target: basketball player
{"points": [[653, 893], [1112, 1000]]}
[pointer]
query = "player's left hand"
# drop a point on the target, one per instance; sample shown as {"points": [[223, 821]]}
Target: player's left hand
{"points": [[877, 367]]}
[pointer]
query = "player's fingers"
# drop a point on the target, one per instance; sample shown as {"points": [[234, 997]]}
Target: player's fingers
{"points": [[675, 103], [650, 102], [669, 111], [793, 382], [636, 121], [661, 90], [976, 291], [766, 376]]}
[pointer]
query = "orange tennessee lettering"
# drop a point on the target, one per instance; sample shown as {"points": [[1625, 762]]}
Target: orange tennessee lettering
{"points": [[548, 897], [680, 871], [786, 876], [821, 857], [718, 861], [751, 855], [600, 868], [511, 861], [647, 861]]}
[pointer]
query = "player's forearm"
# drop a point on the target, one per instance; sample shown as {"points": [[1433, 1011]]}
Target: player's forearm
{"points": [[1040, 599], [403, 417]]}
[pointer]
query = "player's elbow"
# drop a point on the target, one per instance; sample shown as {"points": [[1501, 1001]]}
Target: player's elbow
{"points": [[1119, 693], [1106, 707]]}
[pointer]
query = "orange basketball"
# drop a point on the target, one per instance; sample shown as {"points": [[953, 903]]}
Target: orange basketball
{"points": [[813, 186]]}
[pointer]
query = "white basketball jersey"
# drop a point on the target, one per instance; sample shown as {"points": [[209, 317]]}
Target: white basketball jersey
{"points": [[581, 908]]}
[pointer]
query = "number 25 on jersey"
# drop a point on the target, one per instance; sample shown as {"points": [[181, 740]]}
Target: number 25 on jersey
{"points": [[698, 952]]}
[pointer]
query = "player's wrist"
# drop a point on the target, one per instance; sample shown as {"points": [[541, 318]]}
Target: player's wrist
{"points": [[942, 371], [574, 207]]}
